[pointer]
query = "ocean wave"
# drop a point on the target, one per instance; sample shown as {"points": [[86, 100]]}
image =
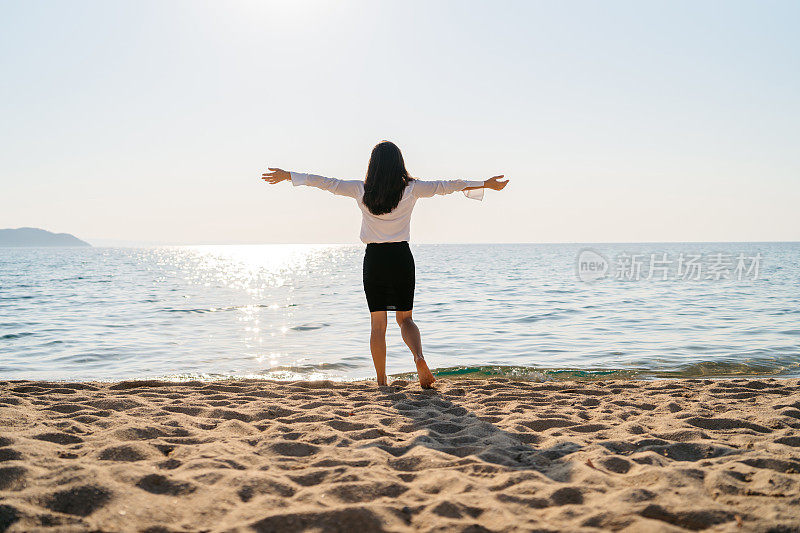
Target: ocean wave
{"points": [[313, 367], [703, 369], [309, 327], [200, 310], [10, 336]]}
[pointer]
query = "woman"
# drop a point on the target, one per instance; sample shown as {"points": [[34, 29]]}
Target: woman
{"points": [[386, 198]]}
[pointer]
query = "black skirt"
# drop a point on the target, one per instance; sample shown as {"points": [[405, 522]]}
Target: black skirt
{"points": [[389, 276]]}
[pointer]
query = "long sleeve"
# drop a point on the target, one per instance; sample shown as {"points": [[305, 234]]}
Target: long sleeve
{"points": [[426, 189], [351, 188]]}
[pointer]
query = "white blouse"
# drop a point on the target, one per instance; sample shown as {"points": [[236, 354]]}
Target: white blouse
{"points": [[396, 225]]}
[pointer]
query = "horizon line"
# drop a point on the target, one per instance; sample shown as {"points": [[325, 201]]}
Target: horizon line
{"points": [[138, 244]]}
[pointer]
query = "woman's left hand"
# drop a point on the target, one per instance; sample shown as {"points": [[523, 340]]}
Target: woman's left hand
{"points": [[275, 175], [495, 183]]}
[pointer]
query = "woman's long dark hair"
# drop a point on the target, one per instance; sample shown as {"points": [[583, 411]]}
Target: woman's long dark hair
{"points": [[386, 179]]}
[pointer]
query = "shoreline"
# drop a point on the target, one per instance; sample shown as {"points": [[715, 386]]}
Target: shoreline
{"points": [[494, 454], [457, 374]]}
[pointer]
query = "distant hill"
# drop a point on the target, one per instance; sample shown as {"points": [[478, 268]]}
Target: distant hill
{"points": [[37, 237]]}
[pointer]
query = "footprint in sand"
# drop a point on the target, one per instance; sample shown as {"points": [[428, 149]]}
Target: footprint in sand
{"points": [[725, 423], [778, 465], [12, 477], [789, 441], [292, 449], [126, 453], [58, 438], [9, 454], [67, 408], [616, 464], [159, 484], [543, 424], [82, 500]]}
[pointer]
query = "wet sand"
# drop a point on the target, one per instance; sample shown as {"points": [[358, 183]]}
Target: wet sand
{"points": [[471, 455]]}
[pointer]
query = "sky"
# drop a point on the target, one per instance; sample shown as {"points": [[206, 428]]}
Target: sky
{"points": [[151, 121]]}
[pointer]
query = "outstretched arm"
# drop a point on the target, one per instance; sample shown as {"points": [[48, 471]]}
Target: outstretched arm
{"points": [[495, 183], [351, 188], [472, 189]]}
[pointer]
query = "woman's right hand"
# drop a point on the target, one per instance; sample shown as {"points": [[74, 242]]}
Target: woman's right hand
{"points": [[495, 183], [275, 175]]}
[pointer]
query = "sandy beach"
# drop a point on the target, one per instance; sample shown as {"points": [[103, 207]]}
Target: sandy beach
{"points": [[471, 455]]}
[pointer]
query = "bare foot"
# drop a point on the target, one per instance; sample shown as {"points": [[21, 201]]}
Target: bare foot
{"points": [[426, 379], [382, 381]]}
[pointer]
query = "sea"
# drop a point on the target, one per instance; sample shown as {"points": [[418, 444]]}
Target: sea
{"points": [[287, 312]]}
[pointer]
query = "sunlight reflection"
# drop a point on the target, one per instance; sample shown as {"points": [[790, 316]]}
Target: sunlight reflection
{"points": [[263, 283], [254, 268]]}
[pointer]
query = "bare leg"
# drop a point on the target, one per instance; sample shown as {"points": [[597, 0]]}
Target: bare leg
{"points": [[377, 344], [412, 338]]}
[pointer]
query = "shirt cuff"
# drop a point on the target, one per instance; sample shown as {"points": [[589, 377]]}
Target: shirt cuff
{"points": [[298, 178], [474, 194]]}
